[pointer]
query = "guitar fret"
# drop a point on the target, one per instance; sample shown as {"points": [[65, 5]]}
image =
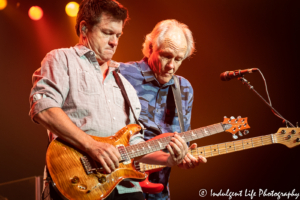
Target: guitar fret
{"points": [[211, 130], [199, 133], [234, 145], [193, 135], [272, 137], [156, 146], [163, 141], [185, 136], [188, 136], [206, 132], [216, 131], [146, 149], [137, 149], [153, 145]]}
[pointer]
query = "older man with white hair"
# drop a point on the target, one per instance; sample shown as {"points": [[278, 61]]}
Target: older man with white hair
{"points": [[164, 49]]}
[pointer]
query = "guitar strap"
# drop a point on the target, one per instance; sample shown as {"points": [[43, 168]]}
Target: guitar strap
{"points": [[177, 98], [176, 94], [124, 93]]}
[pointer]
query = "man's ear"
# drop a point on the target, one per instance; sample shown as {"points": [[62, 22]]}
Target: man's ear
{"points": [[83, 28], [150, 49]]}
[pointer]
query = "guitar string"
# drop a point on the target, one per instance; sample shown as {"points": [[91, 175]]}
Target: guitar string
{"points": [[256, 142], [199, 131]]}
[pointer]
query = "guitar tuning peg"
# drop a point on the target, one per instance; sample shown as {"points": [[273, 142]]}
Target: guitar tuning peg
{"points": [[232, 117], [240, 133], [225, 116], [297, 124], [239, 117], [246, 132], [234, 136]]}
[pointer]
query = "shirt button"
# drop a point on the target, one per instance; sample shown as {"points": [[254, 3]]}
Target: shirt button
{"points": [[91, 53], [108, 101], [104, 84], [114, 118]]}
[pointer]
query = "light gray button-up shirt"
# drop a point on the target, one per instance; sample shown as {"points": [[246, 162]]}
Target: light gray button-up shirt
{"points": [[71, 79]]}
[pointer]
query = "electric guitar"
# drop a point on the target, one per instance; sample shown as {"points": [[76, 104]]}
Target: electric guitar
{"points": [[290, 137], [76, 176]]}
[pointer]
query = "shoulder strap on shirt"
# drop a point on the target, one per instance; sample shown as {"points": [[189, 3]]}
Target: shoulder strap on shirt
{"points": [[177, 98], [121, 86]]}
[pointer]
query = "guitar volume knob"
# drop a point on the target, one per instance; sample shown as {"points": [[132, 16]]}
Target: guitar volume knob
{"points": [[102, 179], [75, 180]]}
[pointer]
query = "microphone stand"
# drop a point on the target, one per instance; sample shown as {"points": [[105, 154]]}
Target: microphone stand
{"points": [[244, 81]]}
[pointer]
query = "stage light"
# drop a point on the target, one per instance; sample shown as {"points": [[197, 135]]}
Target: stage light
{"points": [[35, 13], [72, 9], [3, 4]]}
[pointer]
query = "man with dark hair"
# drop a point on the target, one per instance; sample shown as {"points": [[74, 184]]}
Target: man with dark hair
{"points": [[75, 95], [169, 43]]}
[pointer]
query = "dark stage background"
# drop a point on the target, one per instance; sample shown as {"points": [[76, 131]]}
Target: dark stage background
{"points": [[229, 35]]}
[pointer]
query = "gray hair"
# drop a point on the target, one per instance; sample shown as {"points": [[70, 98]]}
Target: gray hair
{"points": [[153, 40]]}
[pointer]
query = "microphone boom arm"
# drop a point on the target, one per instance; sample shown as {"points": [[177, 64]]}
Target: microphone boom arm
{"points": [[244, 81]]}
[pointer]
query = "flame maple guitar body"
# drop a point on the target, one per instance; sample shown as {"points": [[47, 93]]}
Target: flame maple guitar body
{"points": [[72, 180], [76, 176]]}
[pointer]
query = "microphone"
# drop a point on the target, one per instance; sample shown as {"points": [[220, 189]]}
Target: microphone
{"points": [[228, 75]]}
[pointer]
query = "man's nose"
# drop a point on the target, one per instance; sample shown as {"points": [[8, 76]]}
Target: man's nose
{"points": [[171, 64], [113, 40]]}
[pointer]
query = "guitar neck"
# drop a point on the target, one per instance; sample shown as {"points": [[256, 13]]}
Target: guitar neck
{"points": [[223, 148], [229, 147], [161, 143]]}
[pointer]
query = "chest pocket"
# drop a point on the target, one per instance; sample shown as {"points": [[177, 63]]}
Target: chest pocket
{"points": [[118, 97], [88, 82]]}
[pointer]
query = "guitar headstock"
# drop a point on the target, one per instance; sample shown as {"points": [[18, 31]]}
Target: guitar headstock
{"points": [[236, 125], [290, 137]]}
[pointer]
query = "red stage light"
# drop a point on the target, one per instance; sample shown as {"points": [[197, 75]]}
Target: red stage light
{"points": [[35, 13]]}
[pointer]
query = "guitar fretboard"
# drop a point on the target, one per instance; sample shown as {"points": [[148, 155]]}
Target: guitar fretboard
{"points": [[161, 143], [223, 148]]}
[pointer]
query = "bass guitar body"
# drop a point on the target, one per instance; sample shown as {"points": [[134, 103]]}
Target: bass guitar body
{"points": [[76, 176]]}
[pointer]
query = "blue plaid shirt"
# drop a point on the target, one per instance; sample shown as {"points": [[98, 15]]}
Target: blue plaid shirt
{"points": [[158, 114]]}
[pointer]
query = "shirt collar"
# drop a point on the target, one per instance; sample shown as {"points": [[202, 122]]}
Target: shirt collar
{"points": [[149, 75], [82, 50]]}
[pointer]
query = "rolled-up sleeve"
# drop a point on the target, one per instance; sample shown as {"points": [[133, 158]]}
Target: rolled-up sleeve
{"points": [[50, 83]]}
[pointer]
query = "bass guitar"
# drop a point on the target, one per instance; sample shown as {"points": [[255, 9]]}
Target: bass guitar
{"points": [[289, 137], [76, 176]]}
